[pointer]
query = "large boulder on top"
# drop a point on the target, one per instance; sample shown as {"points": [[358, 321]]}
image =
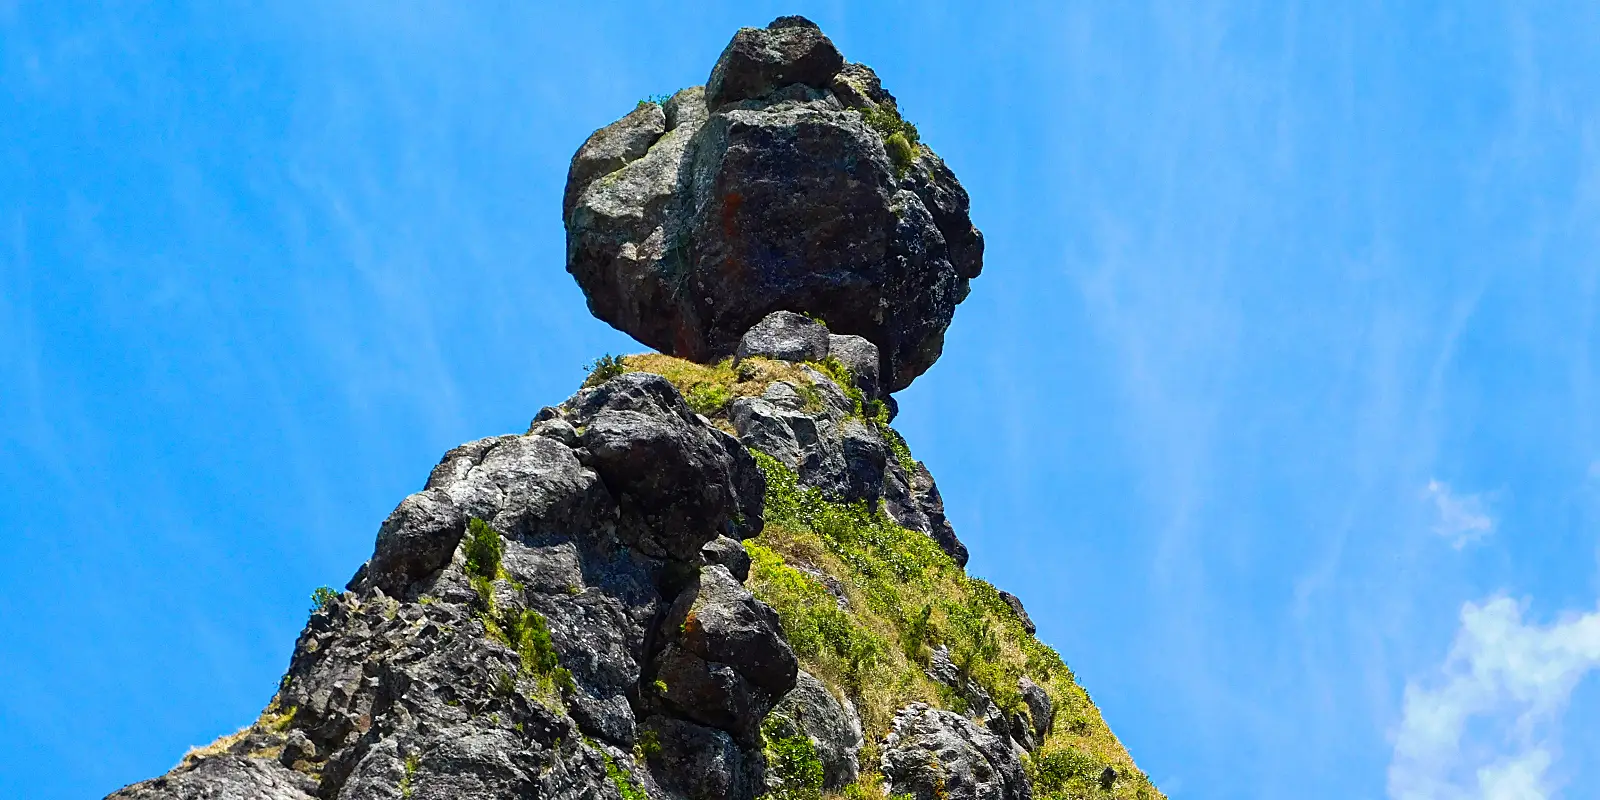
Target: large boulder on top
{"points": [[789, 182]]}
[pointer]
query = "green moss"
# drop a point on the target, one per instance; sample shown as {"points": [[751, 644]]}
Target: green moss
{"points": [[484, 549], [900, 138], [408, 786], [793, 761], [708, 398], [624, 782], [527, 633], [648, 746]]}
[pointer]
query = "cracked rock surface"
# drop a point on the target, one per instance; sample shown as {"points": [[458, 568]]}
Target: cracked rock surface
{"points": [[772, 188]]}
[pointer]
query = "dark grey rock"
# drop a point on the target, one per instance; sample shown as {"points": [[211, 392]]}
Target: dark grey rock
{"points": [[611, 148], [861, 357], [1016, 607], [557, 429], [689, 480], [758, 62], [719, 620], [1041, 708], [701, 763], [730, 554], [933, 753], [864, 459], [774, 194], [416, 540], [224, 778], [833, 728], [725, 661], [926, 494], [786, 336]]}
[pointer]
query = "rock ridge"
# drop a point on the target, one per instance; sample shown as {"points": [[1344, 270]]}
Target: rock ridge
{"points": [[714, 572]]}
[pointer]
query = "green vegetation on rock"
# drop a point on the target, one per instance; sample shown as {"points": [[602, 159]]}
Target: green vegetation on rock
{"points": [[483, 550], [624, 783], [604, 369], [903, 596], [900, 138], [321, 597], [793, 762]]}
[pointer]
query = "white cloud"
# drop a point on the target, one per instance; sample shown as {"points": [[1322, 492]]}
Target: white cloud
{"points": [[1462, 519], [1485, 729]]}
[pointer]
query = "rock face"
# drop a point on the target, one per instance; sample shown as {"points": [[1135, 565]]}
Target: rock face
{"points": [[934, 754], [826, 440], [565, 614], [812, 711], [779, 186]]}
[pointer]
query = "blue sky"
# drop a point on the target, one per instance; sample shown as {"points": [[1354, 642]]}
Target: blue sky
{"points": [[1275, 402]]}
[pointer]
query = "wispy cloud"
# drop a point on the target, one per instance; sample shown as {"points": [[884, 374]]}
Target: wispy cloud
{"points": [[1462, 518], [1485, 728]]}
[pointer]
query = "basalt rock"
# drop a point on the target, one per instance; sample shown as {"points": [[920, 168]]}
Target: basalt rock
{"points": [[612, 650], [773, 188], [934, 754]]}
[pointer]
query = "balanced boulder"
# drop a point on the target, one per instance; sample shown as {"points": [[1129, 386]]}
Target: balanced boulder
{"points": [[790, 182]]}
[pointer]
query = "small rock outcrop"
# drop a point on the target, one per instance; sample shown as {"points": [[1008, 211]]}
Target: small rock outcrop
{"points": [[789, 182], [934, 754]]}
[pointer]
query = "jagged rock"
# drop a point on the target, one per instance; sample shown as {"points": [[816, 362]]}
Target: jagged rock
{"points": [[557, 429], [730, 554], [861, 357], [769, 191], [935, 754], [844, 457], [926, 495], [701, 763], [614, 648], [1040, 708], [416, 540], [725, 661], [786, 336], [224, 778], [612, 147], [1016, 607], [686, 477], [833, 728], [758, 62]]}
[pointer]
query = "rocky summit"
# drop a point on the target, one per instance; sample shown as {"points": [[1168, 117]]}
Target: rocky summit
{"points": [[789, 182], [715, 572]]}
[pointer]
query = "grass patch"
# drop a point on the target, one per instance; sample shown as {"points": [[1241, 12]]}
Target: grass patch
{"points": [[408, 778], [484, 549], [902, 596], [527, 633], [709, 388]]}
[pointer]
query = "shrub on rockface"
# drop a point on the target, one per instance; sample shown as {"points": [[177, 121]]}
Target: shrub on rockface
{"points": [[792, 764], [483, 550], [604, 369], [863, 601], [321, 597]]}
